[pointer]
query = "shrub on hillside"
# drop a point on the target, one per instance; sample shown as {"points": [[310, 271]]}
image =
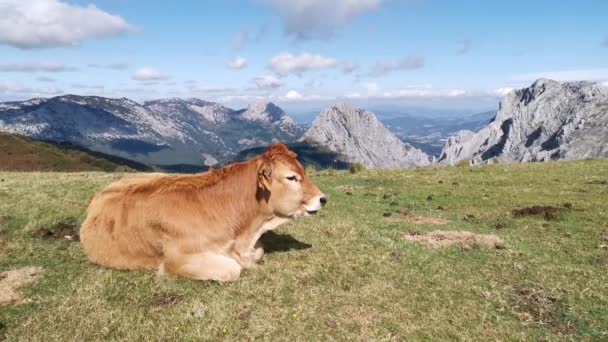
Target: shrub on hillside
{"points": [[356, 168]]}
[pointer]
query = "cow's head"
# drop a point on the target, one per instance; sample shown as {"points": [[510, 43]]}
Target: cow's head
{"points": [[290, 193]]}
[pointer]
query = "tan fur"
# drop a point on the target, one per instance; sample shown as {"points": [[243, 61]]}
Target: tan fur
{"points": [[202, 226]]}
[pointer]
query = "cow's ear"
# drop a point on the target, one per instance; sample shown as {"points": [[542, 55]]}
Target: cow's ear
{"points": [[264, 173], [279, 149]]}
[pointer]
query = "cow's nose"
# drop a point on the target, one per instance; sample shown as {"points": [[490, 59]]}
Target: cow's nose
{"points": [[323, 200]]}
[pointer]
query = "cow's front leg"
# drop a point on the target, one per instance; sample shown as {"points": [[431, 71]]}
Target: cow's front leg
{"points": [[258, 251], [251, 256]]}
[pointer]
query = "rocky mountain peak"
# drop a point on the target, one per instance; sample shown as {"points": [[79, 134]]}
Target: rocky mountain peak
{"points": [[263, 111], [549, 120], [359, 136]]}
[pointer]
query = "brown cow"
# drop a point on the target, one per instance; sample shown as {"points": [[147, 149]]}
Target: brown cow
{"points": [[203, 226]]}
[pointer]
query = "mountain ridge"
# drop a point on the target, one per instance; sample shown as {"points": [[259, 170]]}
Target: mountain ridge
{"points": [[549, 120]]}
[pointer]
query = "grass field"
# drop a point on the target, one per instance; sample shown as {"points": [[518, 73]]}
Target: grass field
{"points": [[347, 274]]}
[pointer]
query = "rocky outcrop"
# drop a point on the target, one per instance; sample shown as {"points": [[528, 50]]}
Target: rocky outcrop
{"points": [[548, 121], [358, 136], [270, 114]]}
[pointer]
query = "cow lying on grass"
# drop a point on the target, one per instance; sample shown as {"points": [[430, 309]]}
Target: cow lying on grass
{"points": [[202, 226]]}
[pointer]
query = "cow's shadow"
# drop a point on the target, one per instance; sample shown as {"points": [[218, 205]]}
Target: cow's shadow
{"points": [[274, 242]]}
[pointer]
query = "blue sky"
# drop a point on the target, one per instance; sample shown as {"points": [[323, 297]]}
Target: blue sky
{"points": [[301, 54]]}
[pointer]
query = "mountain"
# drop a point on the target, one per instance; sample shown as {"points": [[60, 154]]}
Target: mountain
{"points": [[19, 153], [269, 113], [429, 133], [178, 132], [357, 135], [193, 108], [549, 120]]}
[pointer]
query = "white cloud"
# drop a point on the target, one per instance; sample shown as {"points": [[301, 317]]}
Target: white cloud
{"points": [[313, 83], [501, 91], [9, 88], [319, 19], [29, 24], [241, 37], [567, 75], [290, 96], [237, 62], [372, 88], [45, 79], [35, 67], [286, 63], [209, 89], [113, 66], [293, 95], [373, 91], [424, 92], [267, 82], [382, 68], [605, 84], [148, 74]]}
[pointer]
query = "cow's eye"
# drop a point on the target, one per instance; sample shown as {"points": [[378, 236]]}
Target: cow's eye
{"points": [[292, 178]]}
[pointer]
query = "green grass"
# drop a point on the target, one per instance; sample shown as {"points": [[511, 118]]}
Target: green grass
{"points": [[346, 274]]}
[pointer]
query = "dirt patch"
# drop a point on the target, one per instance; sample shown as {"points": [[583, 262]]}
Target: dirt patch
{"points": [[165, 300], [462, 239], [404, 215], [344, 187], [548, 212], [598, 182], [66, 229], [245, 315], [12, 281], [535, 306], [169, 299], [5, 219], [469, 218], [500, 225]]}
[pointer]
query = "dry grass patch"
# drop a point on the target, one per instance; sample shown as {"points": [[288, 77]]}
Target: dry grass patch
{"points": [[466, 240], [409, 217], [12, 281], [536, 306]]}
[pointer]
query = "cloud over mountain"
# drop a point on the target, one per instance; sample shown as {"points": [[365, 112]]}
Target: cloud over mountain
{"points": [[285, 63], [382, 68], [148, 74]]}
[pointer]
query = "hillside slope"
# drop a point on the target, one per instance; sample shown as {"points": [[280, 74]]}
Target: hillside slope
{"points": [[23, 154]]}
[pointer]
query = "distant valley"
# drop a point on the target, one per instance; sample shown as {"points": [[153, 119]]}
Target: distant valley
{"points": [[430, 133]]}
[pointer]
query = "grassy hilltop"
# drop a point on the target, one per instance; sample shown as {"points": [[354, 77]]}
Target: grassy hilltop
{"points": [[347, 274]]}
